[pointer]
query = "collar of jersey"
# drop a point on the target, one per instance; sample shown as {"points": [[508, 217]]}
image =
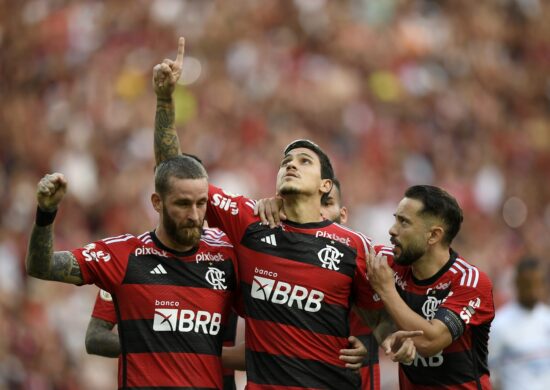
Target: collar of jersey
{"points": [[426, 282], [159, 244], [309, 225]]}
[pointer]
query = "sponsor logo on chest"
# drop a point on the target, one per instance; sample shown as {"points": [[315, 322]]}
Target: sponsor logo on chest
{"points": [[333, 236], [168, 317], [282, 293]]}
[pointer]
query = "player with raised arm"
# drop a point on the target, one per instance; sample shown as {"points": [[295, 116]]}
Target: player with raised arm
{"points": [[172, 287], [299, 279], [433, 289]]}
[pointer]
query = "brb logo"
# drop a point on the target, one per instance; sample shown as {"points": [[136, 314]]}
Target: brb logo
{"points": [[172, 320], [330, 257], [91, 254], [216, 278], [225, 204], [282, 293]]}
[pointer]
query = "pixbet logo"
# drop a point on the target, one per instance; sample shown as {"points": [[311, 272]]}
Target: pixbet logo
{"points": [[225, 204], [282, 293], [149, 251], [332, 236], [208, 257], [185, 320]]}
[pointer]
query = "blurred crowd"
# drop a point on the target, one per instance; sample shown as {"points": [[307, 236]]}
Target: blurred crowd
{"points": [[398, 92]]}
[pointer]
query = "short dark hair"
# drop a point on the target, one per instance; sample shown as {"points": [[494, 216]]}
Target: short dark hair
{"points": [[327, 172], [181, 167], [527, 263], [335, 186], [438, 203]]}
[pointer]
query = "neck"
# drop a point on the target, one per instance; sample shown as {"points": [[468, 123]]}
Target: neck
{"points": [[165, 239], [433, 260], [302, 208]]}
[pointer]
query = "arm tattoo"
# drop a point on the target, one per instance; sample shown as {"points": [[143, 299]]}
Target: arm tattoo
{"points": [[166, 137], [43, 263], [100, 340]]}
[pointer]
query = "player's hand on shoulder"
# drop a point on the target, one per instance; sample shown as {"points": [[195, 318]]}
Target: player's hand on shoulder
{"points": [[50, 191], [167, 73], [270, 211]]}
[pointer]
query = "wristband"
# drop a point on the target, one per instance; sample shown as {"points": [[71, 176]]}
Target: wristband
{"points": [[44, 218]]}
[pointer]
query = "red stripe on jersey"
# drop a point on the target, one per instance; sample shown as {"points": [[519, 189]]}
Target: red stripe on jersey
{"points": [[192, 298], [104, 309], [174, 370], [299, 343]]}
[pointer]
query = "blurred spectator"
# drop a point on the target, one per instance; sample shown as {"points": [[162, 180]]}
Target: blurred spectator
{"points": [[519, 349], [455, 94]]}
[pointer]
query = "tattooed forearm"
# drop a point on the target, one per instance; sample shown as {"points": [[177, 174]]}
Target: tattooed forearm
{"points": [[43, 263], [40, 251], [100, 340], [166, 138]]}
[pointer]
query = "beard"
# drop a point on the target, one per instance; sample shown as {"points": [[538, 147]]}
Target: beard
{"points": [[408, 255], [287, 190], [187, 234]]}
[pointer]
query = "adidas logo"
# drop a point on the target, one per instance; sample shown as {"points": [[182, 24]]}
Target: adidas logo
{"points": [[158, 270], [269, 240]]}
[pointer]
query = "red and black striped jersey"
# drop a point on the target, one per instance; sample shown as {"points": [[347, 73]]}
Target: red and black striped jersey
{"points": [[104, 309], [171, 307], [461, 296], [370, 370], [298, 282]]}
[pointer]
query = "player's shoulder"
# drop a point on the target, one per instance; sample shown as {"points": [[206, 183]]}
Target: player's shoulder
{"points": [[229, 202], [466, 275], [214, 237], [348, 236]]}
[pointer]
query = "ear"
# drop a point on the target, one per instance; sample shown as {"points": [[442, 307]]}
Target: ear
{"points": [[343, 215], [156, 201], [326, 186], [435, 234]]}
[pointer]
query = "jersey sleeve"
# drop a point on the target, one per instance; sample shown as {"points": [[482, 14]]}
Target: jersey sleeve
{"points": [[104, 309], [104, 262], [365, 296], [470, 300], [230, 213]]}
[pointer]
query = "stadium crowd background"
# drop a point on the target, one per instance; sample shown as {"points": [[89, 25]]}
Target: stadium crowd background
{"points": [[397, 92]]}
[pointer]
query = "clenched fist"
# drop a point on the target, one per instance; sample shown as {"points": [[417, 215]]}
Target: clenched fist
{"points": [[50, 191]]}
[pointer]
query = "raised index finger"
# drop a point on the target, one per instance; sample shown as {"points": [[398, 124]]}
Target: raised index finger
{"points": [[181, 50]]}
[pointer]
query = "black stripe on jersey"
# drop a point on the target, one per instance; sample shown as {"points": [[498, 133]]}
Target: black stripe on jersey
{"points": [[141, 338], [301, 247], [450, 369], [144, 270], [229, 382], [266, 369], [330, 319], [231, 328], [369, 341]]}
